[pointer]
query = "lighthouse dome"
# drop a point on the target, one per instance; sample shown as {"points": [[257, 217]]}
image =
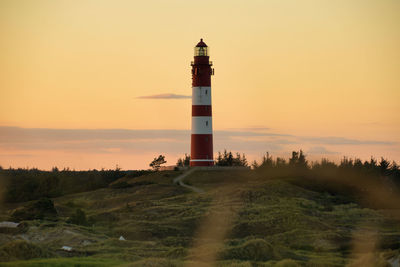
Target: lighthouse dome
{"points": [[201, 43]]}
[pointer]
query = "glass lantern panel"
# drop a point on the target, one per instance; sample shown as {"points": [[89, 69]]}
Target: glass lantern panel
{"points": [[201, 51]]}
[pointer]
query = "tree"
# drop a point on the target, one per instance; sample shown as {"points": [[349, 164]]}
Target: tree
{"points": [[183, 162], [157, 162], [227, 159], [242, 161], [267, 161], [302, 159], [295, 157], [254, 165], [384, 167], [298, 159], [280, 162]]}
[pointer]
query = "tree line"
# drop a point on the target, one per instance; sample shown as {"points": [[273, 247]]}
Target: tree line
{"points": [[298, 159], [298, 163], [28, 184], [17, 185], [223, 159]]}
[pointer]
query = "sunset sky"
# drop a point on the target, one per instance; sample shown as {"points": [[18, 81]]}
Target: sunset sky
{"points": [[95, 83]]}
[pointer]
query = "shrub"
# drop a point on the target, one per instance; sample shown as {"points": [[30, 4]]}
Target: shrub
{"points": [[78, 218], [239, 264], [22, 250], [32, 184], [141, 183], [175, 253], [155, 262], [20, 229], [255, 249], [38, 210], [120, 185], [287, 263]]}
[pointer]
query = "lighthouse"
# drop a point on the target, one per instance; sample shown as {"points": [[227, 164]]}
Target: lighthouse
{"points": [[201, 151]]}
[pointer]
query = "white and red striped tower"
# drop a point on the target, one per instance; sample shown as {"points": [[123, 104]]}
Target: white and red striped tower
{"points": [[201, 151]]}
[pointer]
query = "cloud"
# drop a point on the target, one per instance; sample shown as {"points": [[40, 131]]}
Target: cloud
{"points": [[172, 141], [251, 129], [21, 136], [106, 141], [320, 150], [30, 146], [332, 140], [12, 135], [249, 133], [165, 96]]}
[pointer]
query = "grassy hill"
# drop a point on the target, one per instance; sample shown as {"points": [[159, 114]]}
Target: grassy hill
{"points": [[244, 218]]}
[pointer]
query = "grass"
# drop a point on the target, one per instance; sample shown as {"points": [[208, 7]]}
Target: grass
{"points": [[244, 218], [64, 262]]}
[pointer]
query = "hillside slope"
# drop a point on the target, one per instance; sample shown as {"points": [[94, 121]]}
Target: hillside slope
{"points": [[244, 218]]}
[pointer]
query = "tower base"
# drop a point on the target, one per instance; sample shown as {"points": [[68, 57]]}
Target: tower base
{"points": [[201, 162]]}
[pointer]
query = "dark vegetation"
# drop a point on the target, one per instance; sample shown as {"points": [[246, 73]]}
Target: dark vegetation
{"points": [[253, 250], [351, 177], [341, 176], [183, 162], [227, 159], [42, 209], [31, 184], [283, 213], [22, 250], [157, 162], [224, 159]]}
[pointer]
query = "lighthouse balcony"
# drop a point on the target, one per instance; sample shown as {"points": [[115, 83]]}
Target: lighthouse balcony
{"points": [[192, 63]]}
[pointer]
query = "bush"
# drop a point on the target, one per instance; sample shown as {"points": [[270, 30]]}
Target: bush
{"points": [[78, 218], [155, 262], [241, 264], [287, 263], [255, 249], [141, 183], [175, 253], [22, 250], [20, 229], [43, 209], [120, 185], [32, 184]]}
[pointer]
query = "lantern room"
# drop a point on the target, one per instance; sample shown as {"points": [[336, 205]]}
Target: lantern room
{"points": [[201, 49]]}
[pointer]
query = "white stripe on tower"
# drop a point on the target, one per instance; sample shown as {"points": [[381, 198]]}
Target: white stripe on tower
{"points": [[202, 125], [201, 95]]}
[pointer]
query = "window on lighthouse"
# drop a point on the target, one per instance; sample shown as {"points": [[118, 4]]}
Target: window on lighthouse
{"points": [[206, 123], [200, 51]]}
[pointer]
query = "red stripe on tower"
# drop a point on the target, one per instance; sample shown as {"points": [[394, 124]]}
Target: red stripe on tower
{"points": [[201, 110], [201, 151]]}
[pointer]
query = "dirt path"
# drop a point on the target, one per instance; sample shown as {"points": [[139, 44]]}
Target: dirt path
{"points": [[179, 180]]}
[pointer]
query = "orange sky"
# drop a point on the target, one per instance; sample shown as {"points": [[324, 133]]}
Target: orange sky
{"points": [[305, 69]]}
